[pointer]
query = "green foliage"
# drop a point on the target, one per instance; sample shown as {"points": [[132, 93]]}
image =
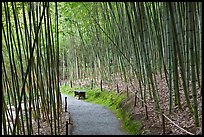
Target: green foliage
{"points": [[136, 41], [101, 41]]}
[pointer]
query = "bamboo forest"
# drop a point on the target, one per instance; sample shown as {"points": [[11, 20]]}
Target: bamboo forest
{"points": [[101, 68]]}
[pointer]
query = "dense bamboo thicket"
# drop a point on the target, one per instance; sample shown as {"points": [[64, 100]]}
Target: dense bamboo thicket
{"points": [[103, 42], [136, 41], [30, 82]]}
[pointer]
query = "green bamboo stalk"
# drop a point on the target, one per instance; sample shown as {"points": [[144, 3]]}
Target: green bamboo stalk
{"points": [[27, 71], [169, 43], [20, 58], [180, 62], [11, 60], [193, 65]]}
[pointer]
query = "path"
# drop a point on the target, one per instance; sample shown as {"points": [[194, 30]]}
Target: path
{"points": [[92, 119]]}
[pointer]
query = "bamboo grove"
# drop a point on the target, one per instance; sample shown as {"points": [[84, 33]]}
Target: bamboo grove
{"points": [[46, 42], [136, 41], [30, 57]]}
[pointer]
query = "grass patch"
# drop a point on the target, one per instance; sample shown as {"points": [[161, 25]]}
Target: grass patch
{"points": [[112, 101]]}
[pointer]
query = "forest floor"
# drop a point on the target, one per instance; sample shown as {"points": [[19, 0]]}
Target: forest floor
{"points": [[45, 128], [153, 125]]}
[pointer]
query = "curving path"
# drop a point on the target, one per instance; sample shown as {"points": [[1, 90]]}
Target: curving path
{"points": [[92, 119]]}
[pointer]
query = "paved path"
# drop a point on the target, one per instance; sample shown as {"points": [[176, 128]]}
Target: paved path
{"points": [[92, 119]]}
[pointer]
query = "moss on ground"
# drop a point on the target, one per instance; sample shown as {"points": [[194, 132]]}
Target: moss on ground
{"points": [[112, 101]]}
